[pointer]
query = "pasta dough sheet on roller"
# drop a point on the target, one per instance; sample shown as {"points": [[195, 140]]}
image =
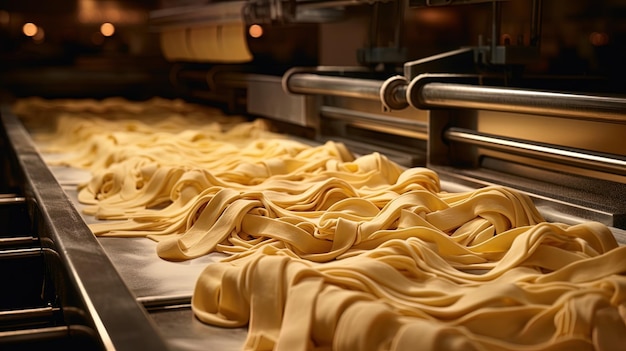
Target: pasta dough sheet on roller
{"points": [[328, 251], [223, 43], [175, 45]]}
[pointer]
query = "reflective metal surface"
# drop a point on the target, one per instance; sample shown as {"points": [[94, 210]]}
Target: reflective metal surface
{"points": [[309, 83], [84, 276], [604, 162], [163, 288], [437, 95]]}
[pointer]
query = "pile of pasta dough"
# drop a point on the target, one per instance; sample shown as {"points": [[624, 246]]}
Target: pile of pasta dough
{"points": [[328, 251]]}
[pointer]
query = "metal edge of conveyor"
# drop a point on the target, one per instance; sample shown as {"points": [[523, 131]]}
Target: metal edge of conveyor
{"points": [[119, 319]]}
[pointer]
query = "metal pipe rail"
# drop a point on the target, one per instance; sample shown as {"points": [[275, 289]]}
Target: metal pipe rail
{"points": [[18, 242], [29, 317], [162, 302], [309, 83], [391, 92], [11, 199], [423, 93], [572, 156], [449, 95], [65, 337]]}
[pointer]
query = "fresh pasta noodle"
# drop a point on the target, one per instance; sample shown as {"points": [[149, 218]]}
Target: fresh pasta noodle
{"points": [[326, 217], [97, 150], [112, 188], [543, 287], [63, 122], [327, 251]]}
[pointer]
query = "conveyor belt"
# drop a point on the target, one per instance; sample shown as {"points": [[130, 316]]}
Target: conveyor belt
{"points": [[64, 291], [163, 287], [131, 279]]}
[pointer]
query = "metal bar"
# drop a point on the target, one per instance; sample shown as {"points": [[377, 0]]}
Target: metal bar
{"points": [[74, 337], [351, 115], [227, 79], [590, 107], [18, 241], [308, 83], [10, 199], [578, 157], [313, 5], [28, 316], [184, 16], [535, 23], [20, 253], [496, 18], [162, 302], [33, 334]]}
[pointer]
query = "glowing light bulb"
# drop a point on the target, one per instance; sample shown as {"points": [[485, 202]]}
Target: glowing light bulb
{"points": [[107, 29], [255, 31], [29, 29]]}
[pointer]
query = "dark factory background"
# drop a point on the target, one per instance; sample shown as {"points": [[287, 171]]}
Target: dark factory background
{"points": [[61, 49]]}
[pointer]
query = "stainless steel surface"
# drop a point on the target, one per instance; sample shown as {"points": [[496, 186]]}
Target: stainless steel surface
{"points": [[219, 77], [22, 241], [47, 335], [364, 126], [251, 12], [309, 83], [536, 23], [266, 98], [185, 16], [282, 11], [393, 93], [185, 332], [163, 287], [315, 4], [447, 95], [90, 280], [11, 199], [29, 313], [447, 2], [149, 276], [349, 115], [578, 157], [575, 164], [446, 62], [496, 21]]}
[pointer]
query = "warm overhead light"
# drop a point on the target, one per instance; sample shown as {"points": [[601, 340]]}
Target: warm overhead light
{"points": [[29, 29], [255, 31], [107, 29]]}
